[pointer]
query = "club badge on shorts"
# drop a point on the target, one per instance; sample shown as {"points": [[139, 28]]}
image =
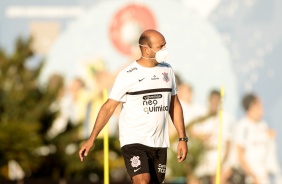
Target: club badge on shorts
{"points": [[165, 77], [135, 162]]}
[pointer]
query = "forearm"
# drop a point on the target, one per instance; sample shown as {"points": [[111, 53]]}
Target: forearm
{"points": [[103, 117], [176, 114], [243, 162], [226, 152], [180, 128], [246, 167]]}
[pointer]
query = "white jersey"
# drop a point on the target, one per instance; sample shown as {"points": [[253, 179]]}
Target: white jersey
{"points": [[211, 127], [146, 94], [253, 137], [191, 111]]}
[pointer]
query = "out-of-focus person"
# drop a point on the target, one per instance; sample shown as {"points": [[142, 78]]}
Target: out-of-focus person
{"points": [[255, 144], [71, 105], [206, 129], [191, 110]]}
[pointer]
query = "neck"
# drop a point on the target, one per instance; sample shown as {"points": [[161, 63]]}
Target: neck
{"points": [[146, 57], [147, 62], [253, 117]]}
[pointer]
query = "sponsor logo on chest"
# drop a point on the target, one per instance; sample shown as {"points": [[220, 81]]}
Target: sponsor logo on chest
{"points": [[150, 103], [155, 78], [165, 77]]}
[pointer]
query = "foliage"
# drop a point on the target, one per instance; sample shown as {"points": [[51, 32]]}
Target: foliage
{"points": [[187, 168], [26, 116], [196, 151], [23, 105]]}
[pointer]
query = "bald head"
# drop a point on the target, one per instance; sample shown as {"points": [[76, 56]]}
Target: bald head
{"points": [[149, 36], [151, 41]]}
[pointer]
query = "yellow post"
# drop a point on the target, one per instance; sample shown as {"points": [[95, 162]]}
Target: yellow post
{"points": [[218, 169], [106, 145]]}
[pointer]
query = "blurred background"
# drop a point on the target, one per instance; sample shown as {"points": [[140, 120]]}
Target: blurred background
{"points": [[56, 57]]}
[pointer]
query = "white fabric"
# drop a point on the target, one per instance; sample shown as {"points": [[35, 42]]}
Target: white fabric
{"points": [[254, 139], [211, 127], [191, 111], [145, 93]]}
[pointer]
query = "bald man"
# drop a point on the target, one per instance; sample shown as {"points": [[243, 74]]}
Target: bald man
{"points": [[148, 93]]}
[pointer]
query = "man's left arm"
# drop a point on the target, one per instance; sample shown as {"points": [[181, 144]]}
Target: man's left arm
{"points": [[176, 115]]}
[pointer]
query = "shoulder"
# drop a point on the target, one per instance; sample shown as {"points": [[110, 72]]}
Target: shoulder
{"points": [[164, 64], [242, 124], [228, 117], [128, 70], [165, 67], [264, 124], [244, 121]]}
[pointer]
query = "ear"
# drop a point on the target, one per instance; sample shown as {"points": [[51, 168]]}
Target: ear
{"points": [[147, 50]]}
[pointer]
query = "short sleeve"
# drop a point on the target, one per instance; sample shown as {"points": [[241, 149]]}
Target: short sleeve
{"points": [[174, 86], [119, 89]]}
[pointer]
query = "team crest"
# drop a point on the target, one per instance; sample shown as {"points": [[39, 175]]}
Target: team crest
{"points": [[165, 77], [135, 162]]}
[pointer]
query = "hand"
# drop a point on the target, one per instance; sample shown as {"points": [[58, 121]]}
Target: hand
{"points": [[182, 151], [83, 152]]}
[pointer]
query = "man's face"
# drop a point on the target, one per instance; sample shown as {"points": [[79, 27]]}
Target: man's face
{"points": [[185, 93], [76, 85], [157, 43], [257, 109], [214, 103]]}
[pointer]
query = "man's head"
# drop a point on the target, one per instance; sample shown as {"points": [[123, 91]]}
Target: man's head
{"points": [[185, 92], [77, 84], [252, 106], [214, 101], [150, 42]]}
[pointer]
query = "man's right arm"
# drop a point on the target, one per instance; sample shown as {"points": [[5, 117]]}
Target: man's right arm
{"points": [[244, 164], [103, 117], [240, 136]]}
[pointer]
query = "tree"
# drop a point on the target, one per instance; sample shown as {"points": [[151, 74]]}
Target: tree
{"points": [[26, 115], [23, 106]]}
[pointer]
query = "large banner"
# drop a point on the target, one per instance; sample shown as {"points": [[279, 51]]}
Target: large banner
{"points": [[109, 31]]}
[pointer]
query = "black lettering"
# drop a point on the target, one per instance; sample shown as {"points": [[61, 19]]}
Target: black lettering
{"points": [[158, 108], [151, 97], [155, 102], [166, 108]]}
